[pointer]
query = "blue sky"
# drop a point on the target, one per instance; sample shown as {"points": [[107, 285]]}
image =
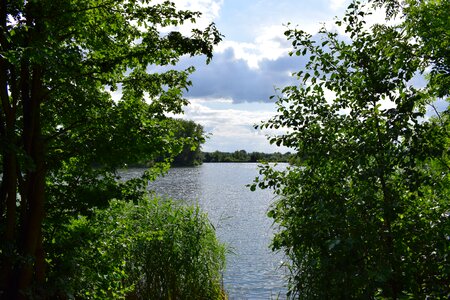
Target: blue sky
{"points": [[231, 94]]}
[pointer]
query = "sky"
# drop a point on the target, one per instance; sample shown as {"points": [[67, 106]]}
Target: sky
{"points": [[232, 94]]}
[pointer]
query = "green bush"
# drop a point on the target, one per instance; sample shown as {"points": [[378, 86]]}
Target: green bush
{"points": [[153, 249], [366, 212]]}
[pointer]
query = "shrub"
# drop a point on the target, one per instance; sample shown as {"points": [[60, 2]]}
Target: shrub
{"points": [[153, 249]]}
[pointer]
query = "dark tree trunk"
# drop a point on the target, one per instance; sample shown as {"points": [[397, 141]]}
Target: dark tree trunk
{"points": [[23, 230], [30, 243], [8, 186]]}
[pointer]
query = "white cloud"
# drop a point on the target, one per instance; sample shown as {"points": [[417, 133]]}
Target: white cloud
{"points": [[221, 116], [214, 100], [337, 4], [209, 8], [232, 129], [269, 44]]}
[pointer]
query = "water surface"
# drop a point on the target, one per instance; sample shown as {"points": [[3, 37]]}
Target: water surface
{"points": [[239, 216]]}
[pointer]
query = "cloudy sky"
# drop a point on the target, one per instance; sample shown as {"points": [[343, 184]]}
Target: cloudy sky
{"points": [[231, 94]]}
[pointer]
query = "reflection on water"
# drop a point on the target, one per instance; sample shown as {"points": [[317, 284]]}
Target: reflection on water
{"points": [[239, 217]]}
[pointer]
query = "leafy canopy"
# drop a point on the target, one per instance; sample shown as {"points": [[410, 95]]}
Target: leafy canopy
{"points": [[62, 133], [365, 213]]}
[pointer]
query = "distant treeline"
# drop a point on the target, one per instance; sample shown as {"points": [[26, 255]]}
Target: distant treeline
{"points": [[191, 157], [243, 156]]}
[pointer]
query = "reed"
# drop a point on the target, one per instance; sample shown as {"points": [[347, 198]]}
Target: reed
{"points": [[153, 249]]}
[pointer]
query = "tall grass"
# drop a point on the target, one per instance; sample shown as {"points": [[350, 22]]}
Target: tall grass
{"points": [[153, 249]]}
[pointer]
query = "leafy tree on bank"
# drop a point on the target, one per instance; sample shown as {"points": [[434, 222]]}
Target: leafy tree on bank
{"points": [[188, 137], [58, 59], [193, 136], [367, 215]]}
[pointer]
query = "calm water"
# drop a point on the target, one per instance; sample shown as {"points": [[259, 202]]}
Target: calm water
{"points": [[239, 216]]}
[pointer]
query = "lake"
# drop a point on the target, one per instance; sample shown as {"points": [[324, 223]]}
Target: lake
{"points": [[239, 216]]}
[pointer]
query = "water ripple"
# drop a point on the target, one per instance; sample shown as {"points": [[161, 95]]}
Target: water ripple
{"points": [[239, 216]]}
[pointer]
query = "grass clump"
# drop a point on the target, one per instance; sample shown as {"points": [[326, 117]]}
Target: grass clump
{"points": [[152, 249]]}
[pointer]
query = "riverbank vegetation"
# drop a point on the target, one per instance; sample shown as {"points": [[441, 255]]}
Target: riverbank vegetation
{"points": [[189, 137], [193, 136], [66, 228], [243, 156], [146, 249], [367, 214]]}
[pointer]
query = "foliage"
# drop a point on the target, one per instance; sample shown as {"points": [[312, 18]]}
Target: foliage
{"points": [[187, 137], [428, 22], [243, 156], [152, 249], [366, 215], [193, 136], [62, 134]]}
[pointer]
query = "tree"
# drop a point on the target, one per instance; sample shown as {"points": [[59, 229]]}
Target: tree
{"points": [[192, 135], [427, 21], [58, 62], [240, 155], [365, 215]]}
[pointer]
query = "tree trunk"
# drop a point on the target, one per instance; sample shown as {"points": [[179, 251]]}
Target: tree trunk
{"points": [[31, 234], [22, 231], [8, 188], [8, 196]]}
